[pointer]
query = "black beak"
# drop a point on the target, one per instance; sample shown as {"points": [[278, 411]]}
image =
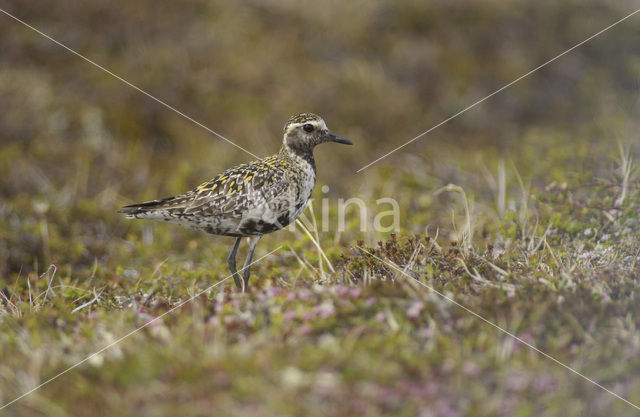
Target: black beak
{"points": [[335, 138]]}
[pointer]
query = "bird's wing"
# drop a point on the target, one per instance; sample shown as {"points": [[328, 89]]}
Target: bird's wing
{"points": [[236, 190], [229, 194]]}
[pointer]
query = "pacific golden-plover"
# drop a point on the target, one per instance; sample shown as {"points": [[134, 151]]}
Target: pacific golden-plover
{"points": [[251, 199]]}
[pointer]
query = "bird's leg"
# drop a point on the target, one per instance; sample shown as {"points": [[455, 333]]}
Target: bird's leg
{"points": [[232, 263], [253, 241]]}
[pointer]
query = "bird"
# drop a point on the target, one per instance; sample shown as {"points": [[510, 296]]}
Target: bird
{"points": [[251, 199]]}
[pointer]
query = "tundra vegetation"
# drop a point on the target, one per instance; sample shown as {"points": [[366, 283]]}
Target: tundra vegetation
{"points": [[524, 210]]}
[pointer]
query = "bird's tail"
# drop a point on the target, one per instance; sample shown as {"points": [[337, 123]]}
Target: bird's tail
{"points": [[146, 210]]}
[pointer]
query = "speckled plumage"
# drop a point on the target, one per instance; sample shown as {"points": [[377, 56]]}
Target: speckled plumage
{"points": [[250, 199], [247, 200]]}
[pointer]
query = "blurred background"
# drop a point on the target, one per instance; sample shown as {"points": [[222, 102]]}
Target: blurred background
{"points": [[524, 208], [76, 143]]}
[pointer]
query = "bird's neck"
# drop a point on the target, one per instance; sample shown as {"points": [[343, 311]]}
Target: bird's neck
{"points": [[302, 156]]}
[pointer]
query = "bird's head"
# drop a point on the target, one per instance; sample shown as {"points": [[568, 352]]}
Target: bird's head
{"points": [[304, 131]]}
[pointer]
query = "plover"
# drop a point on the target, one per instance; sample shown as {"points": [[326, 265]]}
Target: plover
{"points": [[251, 199]]}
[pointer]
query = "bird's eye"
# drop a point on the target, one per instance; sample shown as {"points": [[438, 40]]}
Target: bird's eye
{"points": [[308, 127]]}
